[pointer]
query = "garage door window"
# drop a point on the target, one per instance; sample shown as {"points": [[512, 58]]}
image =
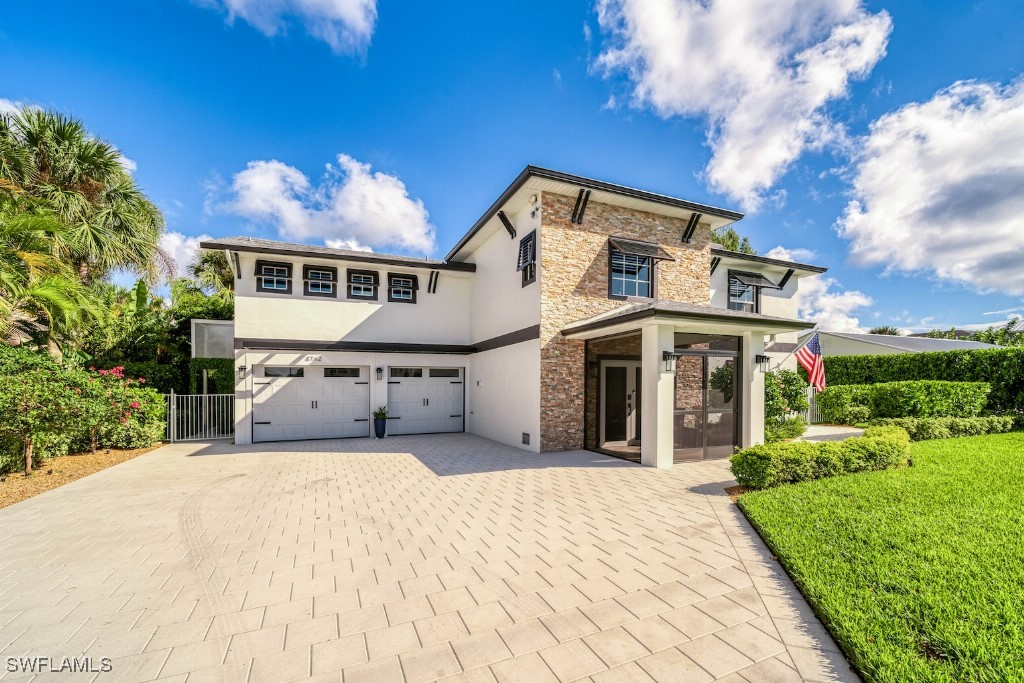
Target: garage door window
{"points": [[444, 372], [282, 372], [406, 372], [341, 372]]}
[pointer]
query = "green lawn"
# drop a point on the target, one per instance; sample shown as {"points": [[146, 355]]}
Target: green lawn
{"points": [[918, 573]]}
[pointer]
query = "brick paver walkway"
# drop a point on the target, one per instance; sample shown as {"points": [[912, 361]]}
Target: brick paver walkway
{"points": [[415, 558]]}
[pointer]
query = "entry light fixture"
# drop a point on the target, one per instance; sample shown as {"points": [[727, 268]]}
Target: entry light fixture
{"points": [[763, 361], [241, 372], [670, 360], [592, 367], [380, 373]]}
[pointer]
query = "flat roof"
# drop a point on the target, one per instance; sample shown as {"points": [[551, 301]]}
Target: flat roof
{"points": [[262, 246], [913, 344]]}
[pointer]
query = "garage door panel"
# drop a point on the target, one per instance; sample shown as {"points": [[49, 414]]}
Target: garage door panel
{"points": [[315, 406], [425, 404]]}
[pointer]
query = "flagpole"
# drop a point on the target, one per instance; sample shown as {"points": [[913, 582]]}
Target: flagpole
{"points": [[810, 335]]}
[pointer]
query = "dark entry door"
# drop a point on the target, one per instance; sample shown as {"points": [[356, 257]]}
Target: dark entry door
{"points": [[615, 396]]}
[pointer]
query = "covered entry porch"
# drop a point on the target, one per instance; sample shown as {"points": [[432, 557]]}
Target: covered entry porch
{"points": [[669, 382]]}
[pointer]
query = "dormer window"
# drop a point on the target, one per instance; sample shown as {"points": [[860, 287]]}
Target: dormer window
{"points": [[320, 281], [362, 284], [631, 268], [527, 261], [402, 288], [273, 277]]}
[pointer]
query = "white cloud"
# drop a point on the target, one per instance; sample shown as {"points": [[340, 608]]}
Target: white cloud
{"points": [[182, 248], [760, 72], [822, 300], [937, 188], [799, 254], [345, 25], [351, 206]]}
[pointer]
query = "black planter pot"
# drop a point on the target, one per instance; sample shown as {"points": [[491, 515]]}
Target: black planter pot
{"points": [[379, 427]]}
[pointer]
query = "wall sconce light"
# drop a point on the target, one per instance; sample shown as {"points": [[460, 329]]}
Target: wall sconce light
{"points": [[380, 373], [592, 368], [763, 361], [241, 372], [670, 360]]}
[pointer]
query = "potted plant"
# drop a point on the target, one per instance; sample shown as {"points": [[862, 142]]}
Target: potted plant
{"points": [[380, 421]]}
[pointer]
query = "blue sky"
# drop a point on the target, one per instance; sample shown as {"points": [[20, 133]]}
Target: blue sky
{"points": [[840, 130]]}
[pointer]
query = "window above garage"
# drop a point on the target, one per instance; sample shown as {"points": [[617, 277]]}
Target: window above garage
{"points": [[273, 276], [402, 288], [362, 284], [320, 281]]}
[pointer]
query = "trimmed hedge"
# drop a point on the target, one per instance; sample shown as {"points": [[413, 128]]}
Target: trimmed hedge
{"points": [[220, 379], [1003, 369], [926, 398], [769, 465], [923, 429]]}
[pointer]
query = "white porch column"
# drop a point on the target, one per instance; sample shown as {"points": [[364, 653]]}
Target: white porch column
{"points": [[656, 429], [752, 391], [243, 401]]}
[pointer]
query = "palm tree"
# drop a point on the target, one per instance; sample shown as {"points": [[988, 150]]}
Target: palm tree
{"points": [[41, 299], [885, 329], [50, 163], [213, 272]]}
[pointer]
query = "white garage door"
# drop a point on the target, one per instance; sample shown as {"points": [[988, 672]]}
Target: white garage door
{"points": [[310, 402], [425, 400]]}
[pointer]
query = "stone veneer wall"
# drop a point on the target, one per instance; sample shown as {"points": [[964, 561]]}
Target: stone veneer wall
{"points": [[574, 285]]}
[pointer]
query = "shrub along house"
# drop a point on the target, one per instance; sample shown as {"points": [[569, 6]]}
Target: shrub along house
{"points": [[573, 314]]}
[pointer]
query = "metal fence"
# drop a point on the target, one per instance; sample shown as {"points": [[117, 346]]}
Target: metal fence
{"points": [[200, 417], [813, 415]]}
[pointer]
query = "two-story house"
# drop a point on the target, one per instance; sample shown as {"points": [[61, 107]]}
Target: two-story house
{"points": [[573, 314]]}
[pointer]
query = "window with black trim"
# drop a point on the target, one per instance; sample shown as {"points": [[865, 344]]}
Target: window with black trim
{"points": [[743, 296], [341, 372], [270, 371], [320, 281], [362, 284], [406, 372], [275, 277], [527, 260], [402, 288], [630, 275]]}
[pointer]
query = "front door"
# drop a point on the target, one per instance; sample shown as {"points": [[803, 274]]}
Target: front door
{"points": [[620, 403]]}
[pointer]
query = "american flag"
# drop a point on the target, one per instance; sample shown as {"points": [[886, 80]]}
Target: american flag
{"points": [[809, 356]]}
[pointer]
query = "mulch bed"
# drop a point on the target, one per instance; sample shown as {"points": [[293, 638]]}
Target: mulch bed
{"points": [[16, 487], [736, 491]]}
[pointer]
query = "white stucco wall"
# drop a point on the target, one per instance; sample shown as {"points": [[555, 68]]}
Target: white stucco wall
{"points": [[503, 394], [439, 318], [499, 303]]}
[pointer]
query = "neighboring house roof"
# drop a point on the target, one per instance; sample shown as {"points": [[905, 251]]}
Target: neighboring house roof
{"points": [[720, 251], [911, 344], [678, 309], [547, 179], [1019, 327], [262, 246]]}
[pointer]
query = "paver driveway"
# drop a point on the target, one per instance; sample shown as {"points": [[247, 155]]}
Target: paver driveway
{"points": [[415, 557]]}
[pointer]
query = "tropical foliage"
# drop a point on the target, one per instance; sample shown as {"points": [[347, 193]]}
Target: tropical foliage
{"points": [[733, 241], [919, 398], [1004, 335], [785, 399], [47, 409]]}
